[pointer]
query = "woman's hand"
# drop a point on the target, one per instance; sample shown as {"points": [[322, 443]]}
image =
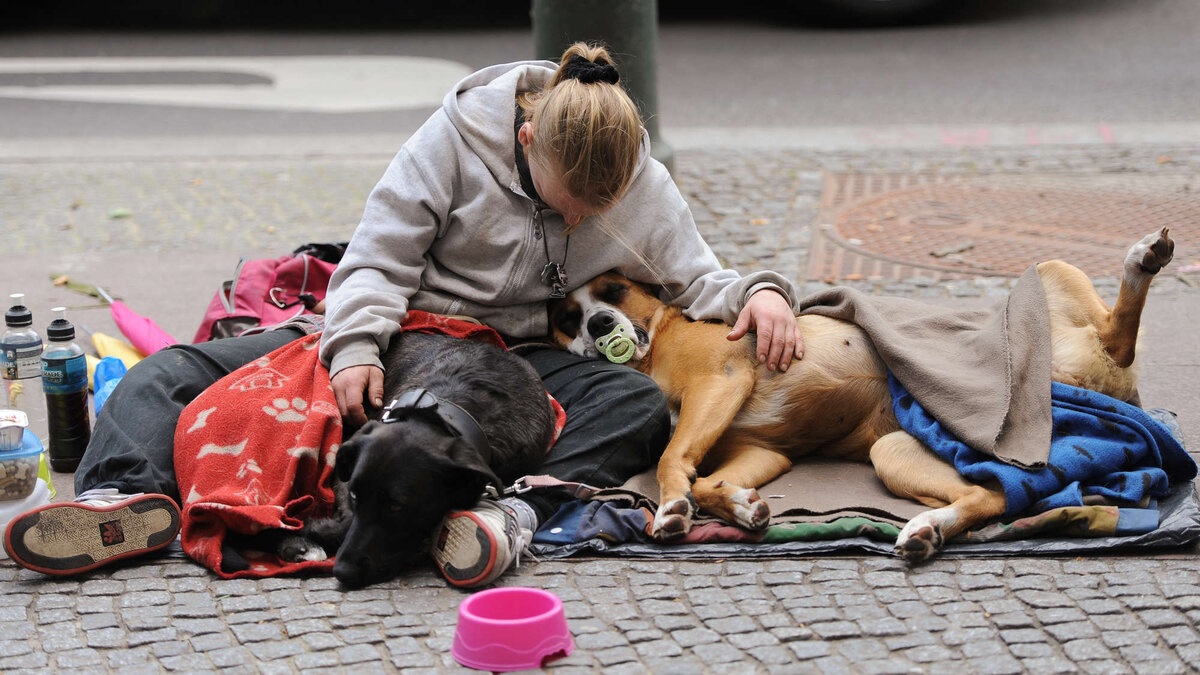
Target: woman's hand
{"points": [[349, 385], [770, 315]]}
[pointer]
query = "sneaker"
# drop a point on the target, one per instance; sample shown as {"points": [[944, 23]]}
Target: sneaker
{"points": [[99, 527], [473, 548]]}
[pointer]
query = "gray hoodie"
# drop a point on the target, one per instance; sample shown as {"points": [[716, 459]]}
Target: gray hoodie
{"points": [[449, 230]]}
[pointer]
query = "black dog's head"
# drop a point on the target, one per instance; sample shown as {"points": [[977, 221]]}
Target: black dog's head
{"points": [[402, 478]]}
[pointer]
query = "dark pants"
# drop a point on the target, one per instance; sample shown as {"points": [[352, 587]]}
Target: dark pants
{"points": [[617, 419]]}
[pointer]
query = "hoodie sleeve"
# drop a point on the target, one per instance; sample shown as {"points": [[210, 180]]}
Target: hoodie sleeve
{"points": [[683, 263], [382, 267]]}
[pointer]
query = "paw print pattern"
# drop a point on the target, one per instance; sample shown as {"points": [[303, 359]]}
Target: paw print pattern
{"points": [[287, 411]]}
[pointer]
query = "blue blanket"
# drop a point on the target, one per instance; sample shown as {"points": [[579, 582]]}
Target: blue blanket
{"points": [[1099, 447]]}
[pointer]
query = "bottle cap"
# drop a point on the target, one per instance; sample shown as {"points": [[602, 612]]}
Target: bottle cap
{"points": [[18, 315], [60, 330]]}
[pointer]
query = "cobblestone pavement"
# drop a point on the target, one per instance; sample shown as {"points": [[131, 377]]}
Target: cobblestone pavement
{"points": [[1110, 613]]}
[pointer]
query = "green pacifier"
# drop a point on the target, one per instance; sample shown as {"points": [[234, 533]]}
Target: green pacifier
{"points": [[616, 346]]}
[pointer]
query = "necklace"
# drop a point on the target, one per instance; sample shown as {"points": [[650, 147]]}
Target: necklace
{"points": [[554, 274]]}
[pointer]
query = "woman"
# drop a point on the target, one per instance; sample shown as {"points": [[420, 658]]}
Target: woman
{"points": [[528, 171]]}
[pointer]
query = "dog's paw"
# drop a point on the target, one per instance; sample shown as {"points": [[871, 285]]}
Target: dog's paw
{"points": [[1151, 254], [294, 548], [749, 509], [674, 518], [920, 538]]}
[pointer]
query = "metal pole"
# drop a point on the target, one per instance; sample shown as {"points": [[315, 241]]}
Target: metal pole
{"points": [[629, 29]]}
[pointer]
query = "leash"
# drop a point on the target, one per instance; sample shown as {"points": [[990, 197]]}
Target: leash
{"points": [[540, 482]]}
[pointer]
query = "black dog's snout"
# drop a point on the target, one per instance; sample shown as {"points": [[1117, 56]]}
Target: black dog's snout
{"points": [[601, 323]]}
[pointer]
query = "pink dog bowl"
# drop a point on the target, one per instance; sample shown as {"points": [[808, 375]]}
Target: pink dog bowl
{"points": [[515, 628]]}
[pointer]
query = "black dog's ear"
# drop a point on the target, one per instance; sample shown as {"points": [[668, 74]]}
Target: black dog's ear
{"points": [[347, 457], [466, 458]]}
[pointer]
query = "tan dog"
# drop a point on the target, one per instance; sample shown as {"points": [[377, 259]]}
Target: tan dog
{"points": [[733, 437]]}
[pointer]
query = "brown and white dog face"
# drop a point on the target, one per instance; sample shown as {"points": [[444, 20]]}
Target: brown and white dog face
{"points": [[594, 310]]}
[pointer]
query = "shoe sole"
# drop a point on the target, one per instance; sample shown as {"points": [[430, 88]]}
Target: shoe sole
{"points": [[461, 529], [65, 539]]}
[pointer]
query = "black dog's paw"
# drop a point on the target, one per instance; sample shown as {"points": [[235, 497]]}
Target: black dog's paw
{"points": [[295, 548]]}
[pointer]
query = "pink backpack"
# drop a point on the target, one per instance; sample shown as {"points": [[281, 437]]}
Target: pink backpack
{"points": [[268, 291]]}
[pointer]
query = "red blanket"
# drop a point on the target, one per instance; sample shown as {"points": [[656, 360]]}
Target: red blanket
{"points": [[256, 450]]}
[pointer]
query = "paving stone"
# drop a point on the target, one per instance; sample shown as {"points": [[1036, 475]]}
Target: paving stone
{"points": [[78, 658], [976, 650], [311, 660], [806, 650], [256, 632], [357, 654], [30, 661], [190, 663], [958, 636], [745, 641], [210, 642], [736, 624], [105, 638], [607, 639], [929, 654], [1086, 650], [1127, 638], [1013, 620], [658, 648], [230, 657], [1163, 618], [996, 665], [321, 641], [1048, 664], [1176, 636]]}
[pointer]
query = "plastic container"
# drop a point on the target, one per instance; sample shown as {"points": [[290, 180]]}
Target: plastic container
{"points": [[21, 365], [19, 468], [11, 509], [517, 628]]}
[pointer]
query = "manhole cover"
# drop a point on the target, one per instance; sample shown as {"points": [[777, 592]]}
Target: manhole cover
{"points": [[896, 226]]}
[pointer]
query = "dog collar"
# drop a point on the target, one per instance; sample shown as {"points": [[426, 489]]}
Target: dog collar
{"points": [[458, 421]]}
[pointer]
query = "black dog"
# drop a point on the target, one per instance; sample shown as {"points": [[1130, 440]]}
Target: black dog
{"points": [[463, 414]]}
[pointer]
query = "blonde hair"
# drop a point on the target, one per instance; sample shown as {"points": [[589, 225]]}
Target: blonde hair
{"points": [[586, 126]]}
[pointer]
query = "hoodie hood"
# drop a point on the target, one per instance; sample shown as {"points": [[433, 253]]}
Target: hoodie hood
{"points": [[482, 108]]}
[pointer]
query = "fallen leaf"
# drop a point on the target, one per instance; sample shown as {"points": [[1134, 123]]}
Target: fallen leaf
{"points": [[761, 221], [1164, 159], [62, 280], [120, 212]]}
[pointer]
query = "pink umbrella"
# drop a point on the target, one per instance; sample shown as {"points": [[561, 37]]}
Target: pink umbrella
{"points": [[141, 332]]}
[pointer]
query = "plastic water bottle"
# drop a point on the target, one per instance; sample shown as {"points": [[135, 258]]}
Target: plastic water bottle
{"points": [[21, 363], [65, 381]]}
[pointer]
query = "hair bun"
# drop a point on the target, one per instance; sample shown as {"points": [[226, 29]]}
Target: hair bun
{"points": [[588, 72]]}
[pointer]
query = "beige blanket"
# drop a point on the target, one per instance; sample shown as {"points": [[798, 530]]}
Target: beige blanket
{"points": [[984, 374]]}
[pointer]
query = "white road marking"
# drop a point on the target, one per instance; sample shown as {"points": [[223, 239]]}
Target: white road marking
{"points": [[330, 84]]}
